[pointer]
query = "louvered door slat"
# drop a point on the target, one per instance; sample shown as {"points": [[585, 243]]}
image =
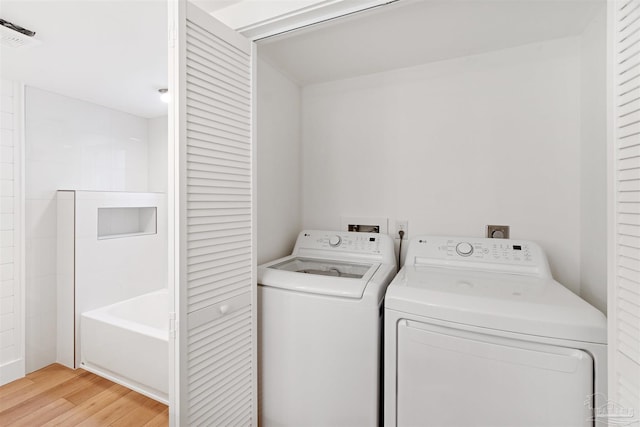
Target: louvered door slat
{"points": [[206, 114], [206, 285], [211, 52], [629, 263], [217, 377], [232, 76], [627, 104], [629, 152], [209, 292], [203, 75], [229, 171], [200, 246], [632, 53], [205, 290], [229, 414], [200, 162], [209, 87], [233, 73], [198, 96], [629, 196], [627, 55], [629, 16], [625, 274], [221, 183], [219, 49], [225, 362], [627, 94], [629, 119], [230, 116], [215, 348], [226, 108], [203, 174], [629, 174], [631, 253], [219, 295], [213, 151], [218, 218], [213, 225], [197, 117], [197, 206], [220, 135]]}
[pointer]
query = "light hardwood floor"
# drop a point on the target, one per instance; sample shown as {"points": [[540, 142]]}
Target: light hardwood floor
{"points": [[58, 396]]}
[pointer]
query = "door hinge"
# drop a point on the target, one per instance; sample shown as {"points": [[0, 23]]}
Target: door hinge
{"points": [[172, 37], [172, 325]]}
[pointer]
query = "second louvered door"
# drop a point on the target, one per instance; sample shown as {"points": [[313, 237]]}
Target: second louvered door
{"points": [[215, 345], [624, 267]]}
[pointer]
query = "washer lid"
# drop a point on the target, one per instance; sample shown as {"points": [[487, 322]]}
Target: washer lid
{"points": [[318, 276], [506, 302]]}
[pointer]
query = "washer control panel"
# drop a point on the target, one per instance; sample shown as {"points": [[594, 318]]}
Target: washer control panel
{"points": [[349, 241], [478, 253], [345, 245]]}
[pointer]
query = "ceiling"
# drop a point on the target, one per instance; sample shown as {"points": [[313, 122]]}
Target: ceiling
{"points": [[413, 32], [215, 5], [113, 53]]}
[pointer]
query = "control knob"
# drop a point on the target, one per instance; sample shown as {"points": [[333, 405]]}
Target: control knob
{"points": [[464, 249], [335, 240]]}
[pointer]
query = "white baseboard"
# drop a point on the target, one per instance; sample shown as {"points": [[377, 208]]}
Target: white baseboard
{"points": [[11, 371]]}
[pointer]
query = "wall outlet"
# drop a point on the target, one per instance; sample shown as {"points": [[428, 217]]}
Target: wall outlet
{"points": [[404, 226], [498, 231]]}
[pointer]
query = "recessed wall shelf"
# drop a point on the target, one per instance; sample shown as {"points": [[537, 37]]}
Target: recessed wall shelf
{"points": [[116, 223]]}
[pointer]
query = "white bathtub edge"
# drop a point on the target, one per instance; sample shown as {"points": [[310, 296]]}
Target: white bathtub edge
{"points": [[130, 384]]}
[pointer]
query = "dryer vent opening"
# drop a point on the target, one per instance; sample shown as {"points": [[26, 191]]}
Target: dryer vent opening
{"points": [[364, 228], [12, 35]]}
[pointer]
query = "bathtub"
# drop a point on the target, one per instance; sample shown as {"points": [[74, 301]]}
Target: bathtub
{"points": [[128, 343]]}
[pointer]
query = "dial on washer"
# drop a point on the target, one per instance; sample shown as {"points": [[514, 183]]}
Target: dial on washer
{"points": [[464, 249], [335, 240]]}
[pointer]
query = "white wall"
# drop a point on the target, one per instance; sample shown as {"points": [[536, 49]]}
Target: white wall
{"points": [[453, 146], [593, 164], [12, 363], [122, 261], [71, 145], [278, 168], [158, 132]]}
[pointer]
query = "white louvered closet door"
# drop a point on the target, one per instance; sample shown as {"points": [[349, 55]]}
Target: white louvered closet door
{"points": [[215, 383], [624, 271]]}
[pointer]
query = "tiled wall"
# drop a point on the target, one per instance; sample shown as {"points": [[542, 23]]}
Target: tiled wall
{"points": [[11, 348], [158, 138], [70, 145]]}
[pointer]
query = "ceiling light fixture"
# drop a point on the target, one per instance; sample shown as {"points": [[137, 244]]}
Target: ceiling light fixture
{"points": [[164, 95]]}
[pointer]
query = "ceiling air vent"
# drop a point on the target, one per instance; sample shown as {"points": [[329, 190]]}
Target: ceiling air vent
{"points": [[15, 36]]}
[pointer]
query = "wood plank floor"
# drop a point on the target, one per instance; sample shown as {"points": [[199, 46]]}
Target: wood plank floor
{"points": [[59, 396]]}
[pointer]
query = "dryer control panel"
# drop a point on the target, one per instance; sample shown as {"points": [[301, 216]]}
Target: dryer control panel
{"points": [[345, 243], [499, 255]]}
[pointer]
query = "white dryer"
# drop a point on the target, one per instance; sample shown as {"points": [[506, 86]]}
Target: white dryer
{"points": [[319, 332], [477, 333]]}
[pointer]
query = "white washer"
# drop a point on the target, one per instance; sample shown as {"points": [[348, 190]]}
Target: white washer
{"points": [[319, 334], [478, 333]]}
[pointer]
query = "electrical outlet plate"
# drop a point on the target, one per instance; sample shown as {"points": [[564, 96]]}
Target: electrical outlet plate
{"points": [[498, 231], [401, 224]]}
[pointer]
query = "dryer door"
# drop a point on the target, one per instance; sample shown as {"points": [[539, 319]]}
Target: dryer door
{"points": [[450, 377]]}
